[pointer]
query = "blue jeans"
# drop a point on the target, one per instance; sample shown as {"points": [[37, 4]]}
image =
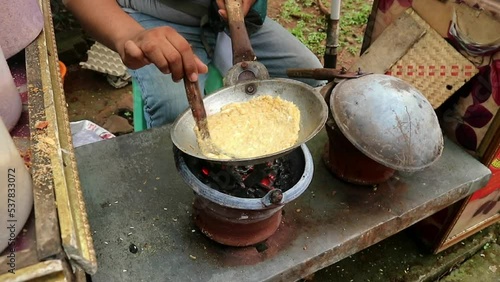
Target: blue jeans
{"points": [[165, 99]]}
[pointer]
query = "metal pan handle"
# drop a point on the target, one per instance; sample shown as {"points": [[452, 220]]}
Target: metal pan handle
{"points": [[242, 49]]}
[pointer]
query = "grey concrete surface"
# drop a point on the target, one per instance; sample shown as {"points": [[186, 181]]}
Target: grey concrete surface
{"points": [[134, 195]]}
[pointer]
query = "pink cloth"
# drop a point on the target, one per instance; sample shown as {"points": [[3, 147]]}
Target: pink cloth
{"points": [[21, 22]]}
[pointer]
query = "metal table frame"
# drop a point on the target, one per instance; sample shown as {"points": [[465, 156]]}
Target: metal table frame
{"points": [[134, 195]]}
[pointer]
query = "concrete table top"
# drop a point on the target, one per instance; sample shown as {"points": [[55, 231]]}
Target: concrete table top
{"points": [[135, 197]]}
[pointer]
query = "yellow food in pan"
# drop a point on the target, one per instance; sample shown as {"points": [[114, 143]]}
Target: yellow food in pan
{"points": [[261, 126]]}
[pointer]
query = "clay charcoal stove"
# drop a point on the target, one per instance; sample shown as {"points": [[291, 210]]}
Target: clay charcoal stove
{"points": [[240, 205]]}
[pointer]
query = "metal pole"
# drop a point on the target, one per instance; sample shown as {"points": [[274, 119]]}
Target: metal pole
{"points": [[332, 37]]}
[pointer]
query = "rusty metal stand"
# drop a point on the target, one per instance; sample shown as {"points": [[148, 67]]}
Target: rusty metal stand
{"points": [[332, 36], [135, 197]]}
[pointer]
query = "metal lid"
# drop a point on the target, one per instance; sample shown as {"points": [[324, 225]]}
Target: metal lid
{"points": [[389, 120]]}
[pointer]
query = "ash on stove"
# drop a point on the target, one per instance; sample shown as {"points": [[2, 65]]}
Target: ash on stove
{"points": [[249, 181]]}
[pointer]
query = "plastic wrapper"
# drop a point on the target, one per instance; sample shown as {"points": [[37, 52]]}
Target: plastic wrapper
{"points": [[86, 132]]}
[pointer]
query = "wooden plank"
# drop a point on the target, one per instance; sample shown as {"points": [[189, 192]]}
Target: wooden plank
{"points": [[48, 237], [47, 271], [75, 236], [390, 46], [491, 141], [370, 25]]}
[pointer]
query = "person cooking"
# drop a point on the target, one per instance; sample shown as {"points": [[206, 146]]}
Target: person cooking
{"points": [[165, 41]]}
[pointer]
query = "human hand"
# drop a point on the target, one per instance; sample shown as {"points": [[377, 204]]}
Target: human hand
{"points": [[246, 5], [165, 48]]}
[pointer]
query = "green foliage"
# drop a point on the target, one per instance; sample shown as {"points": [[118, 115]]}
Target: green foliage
{"points": [[289, 8], [312, 39], [293, 10], [353, 50], [310, 24], [309, 3], [354, 14]]}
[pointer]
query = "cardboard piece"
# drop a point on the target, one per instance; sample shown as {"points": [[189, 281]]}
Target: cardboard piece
{"points": [[400, 35]]}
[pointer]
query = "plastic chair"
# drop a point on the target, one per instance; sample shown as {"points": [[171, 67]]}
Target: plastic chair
{"points": [[213, 83]]}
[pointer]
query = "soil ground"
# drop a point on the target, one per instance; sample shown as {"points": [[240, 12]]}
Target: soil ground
{"points": [[91, 97]]}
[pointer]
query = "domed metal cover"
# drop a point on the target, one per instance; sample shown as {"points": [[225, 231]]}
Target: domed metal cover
{"points": [[389, 120]]}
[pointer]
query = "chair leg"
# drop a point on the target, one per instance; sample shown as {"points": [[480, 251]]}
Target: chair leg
{"points": [[139, 120], [214, 80]]}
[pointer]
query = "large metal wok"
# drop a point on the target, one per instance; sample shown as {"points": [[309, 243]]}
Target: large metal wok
{"points": [[313, 114], [247, 79]]}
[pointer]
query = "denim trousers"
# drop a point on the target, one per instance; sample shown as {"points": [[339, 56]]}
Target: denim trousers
{"points": [[165, 99]]}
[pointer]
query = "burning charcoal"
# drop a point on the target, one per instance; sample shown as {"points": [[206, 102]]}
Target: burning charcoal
{"points": [[266, 183], [239, 176], [223, 180], [259, 172], [284, 177], [244, 170], [241, 193], [250, 181], [259, 193]]}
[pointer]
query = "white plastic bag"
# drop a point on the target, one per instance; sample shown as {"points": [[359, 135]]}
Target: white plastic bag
{"points": [[86, 132]]}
